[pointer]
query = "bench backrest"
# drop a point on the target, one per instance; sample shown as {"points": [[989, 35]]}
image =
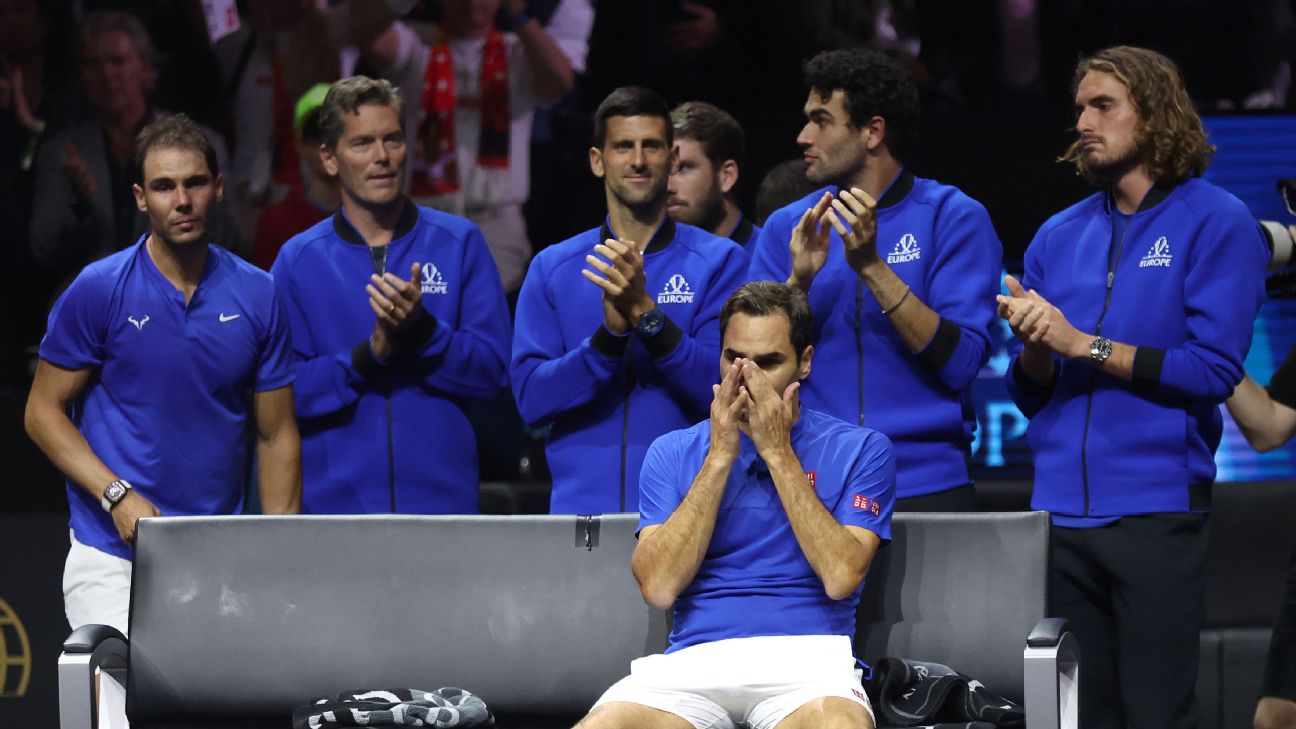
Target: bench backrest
{"points": [[253, 616]]}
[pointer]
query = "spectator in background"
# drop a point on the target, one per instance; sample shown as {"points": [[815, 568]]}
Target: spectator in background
{"points": [[1132, 333], [1267, 417], [709, 148], [472, 95], [616, 338], [164, 354], [783, 185], [899, 287], [316, 198], [83, 208], [398, 320]]}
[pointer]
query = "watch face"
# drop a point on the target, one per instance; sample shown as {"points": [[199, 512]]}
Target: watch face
{"points": [[115, 492], [651, 322]]}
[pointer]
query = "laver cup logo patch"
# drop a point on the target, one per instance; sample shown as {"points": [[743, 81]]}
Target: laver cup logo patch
{"points": [[433, 281], [906, 250], [676, 291], [864, 503], [1158, 255]]}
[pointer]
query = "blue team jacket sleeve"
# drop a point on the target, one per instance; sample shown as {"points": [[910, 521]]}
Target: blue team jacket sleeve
{"points": [[468, 357], [692, 366], [77, 326], [661, 488], [1223, 291], [868, 498], [1030, 396], [961, 286], [326, 382], [548, 378], [275, 363], [770, 258]]}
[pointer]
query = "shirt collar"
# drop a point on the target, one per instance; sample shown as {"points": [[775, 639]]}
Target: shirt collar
{"points": [[661, 238], [348, 233]]}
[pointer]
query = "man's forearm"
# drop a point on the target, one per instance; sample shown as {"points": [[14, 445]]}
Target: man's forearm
{"points": [[1266, 423], [837, 557], [913, 320], [54, 433], [279, 478], [665, 561]]}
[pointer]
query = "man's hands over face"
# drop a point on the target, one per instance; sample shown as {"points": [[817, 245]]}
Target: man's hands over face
{"points": [[746, 400], [620, 273]]}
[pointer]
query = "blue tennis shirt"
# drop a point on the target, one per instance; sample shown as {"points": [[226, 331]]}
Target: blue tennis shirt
{"points": [[167, 408], [755, 580]]}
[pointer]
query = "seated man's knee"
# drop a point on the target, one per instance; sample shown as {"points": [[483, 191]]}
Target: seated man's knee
{"points": [[627, 715], [1275, 713], [829, 713]]}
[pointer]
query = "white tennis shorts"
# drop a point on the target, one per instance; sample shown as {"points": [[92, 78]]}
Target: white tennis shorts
{"points": [[754, 681], [96, 587]]}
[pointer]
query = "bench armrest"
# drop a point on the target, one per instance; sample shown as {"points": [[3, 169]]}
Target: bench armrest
{"points": [[1051, 663], [87, 649]]}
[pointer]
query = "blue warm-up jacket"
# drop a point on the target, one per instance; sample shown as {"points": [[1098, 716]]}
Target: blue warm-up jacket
{"points": [[942, 244], [1183, 284], [392, 437], [608, 397]]}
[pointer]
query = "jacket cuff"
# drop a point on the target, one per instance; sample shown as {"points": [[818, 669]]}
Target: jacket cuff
{"points": [[1029, 386], [607, 343], [665, 341], [942, 345], [362, 358], [1145, 378], [422, 331]]}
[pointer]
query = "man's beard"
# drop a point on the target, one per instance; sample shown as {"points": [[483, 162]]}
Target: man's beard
{"points": [[1103, 173], [708, 213]]}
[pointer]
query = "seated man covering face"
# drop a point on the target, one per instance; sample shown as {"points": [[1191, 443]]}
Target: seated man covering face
{"points": [[757, 526]]}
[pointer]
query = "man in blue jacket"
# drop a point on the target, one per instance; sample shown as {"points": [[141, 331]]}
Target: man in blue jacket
{"points": [[898, 288], [1134, 315], [616, 341], [398, 319]]}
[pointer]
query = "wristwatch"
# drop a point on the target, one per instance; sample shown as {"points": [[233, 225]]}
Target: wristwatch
{"points": [[650, 322], [115, 492], [1099, 350]]}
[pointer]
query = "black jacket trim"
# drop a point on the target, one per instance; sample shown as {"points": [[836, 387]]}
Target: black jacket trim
{"points": [[1030, 386], [662, 238], [742, 235], [898, 191], [665, 341], [1146, 375], [363, 360], [608, 343], [942, 345], [1154, 196], [422, 331], [404, 224]]}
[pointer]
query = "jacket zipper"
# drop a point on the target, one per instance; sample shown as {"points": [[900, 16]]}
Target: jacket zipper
{"points": [[859, 344], [391, 453], [625, 426], [1093, 375]]}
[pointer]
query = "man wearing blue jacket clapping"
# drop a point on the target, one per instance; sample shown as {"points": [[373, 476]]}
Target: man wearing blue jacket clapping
{"points": [[398, 319], [616, 339], [898, 287], [1134, 315]]}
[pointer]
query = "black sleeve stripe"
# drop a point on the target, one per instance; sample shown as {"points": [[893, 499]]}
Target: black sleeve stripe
{"points": [[608, 343], [1031, 387], [422, 331], [1146, 375], [363, 360], [942, 345], [1282, 388]]}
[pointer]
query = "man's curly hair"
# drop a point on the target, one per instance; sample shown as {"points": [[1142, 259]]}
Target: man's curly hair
{"points": [[1171, 141], [875, 85]]}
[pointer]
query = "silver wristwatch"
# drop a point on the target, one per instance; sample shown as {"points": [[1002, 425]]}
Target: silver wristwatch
{"points": [[115, 492], [1099, 350]]}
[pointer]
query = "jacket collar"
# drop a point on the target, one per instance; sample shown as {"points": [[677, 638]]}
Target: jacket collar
{"points": [[1154, 196], [662, 238], [404, 224]]}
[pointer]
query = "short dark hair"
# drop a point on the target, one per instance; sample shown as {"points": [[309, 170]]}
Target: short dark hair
{"points": [[631, 101], [718, 133], [766, 298], [874, 85], [347, 96], [784, 184], [174, 131]]}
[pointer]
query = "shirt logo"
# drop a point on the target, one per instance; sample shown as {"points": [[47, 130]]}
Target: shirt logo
{"points": [[230, 317], [810, 476], [1158, 255], [433, 281], [139, 323], [676, 291], [864, 503], [906, 250]]}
